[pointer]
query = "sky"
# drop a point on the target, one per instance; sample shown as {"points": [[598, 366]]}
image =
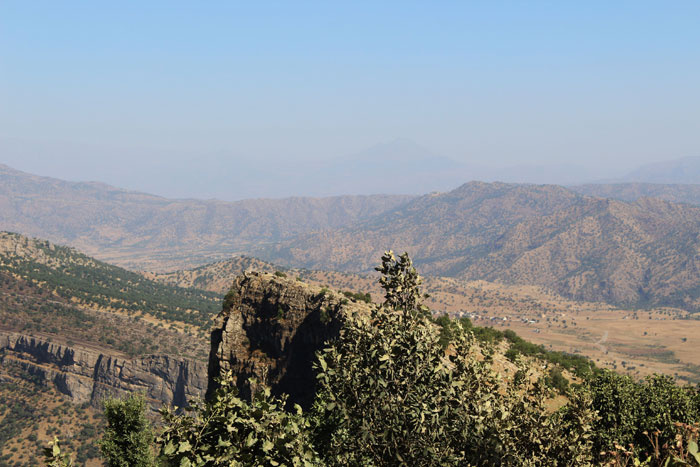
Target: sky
{"points": [[171, 97]]}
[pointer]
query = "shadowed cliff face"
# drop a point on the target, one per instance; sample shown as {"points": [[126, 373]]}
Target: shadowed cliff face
{"points": [[270, 329], [87, 375]]}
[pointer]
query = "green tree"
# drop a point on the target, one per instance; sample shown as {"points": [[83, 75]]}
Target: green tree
{"points": [[128, 437], [557, 380], [401, 284]]}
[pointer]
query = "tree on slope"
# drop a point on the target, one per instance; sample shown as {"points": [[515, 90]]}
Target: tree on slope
{"points": [[128, 438]]}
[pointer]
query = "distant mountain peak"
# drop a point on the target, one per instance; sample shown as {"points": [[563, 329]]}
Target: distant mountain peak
{"points": [[685, 170], [400, 157], [403, 151]]}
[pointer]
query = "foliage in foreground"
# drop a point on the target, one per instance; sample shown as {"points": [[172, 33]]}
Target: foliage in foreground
{"points": [[54, 457], [389, 394], [631, 411], [681, 452], [231, 431]]}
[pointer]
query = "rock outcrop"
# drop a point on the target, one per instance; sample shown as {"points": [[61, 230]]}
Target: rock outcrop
{"points": [[269, 330], [88, 375]]}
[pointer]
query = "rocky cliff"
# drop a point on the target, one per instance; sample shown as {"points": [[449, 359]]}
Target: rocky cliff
{"points": [[269, 330], [88, 375]]}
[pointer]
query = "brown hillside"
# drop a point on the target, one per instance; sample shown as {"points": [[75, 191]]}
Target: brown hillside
{"points": [[678, 193], [642, 253], [143, 231]]}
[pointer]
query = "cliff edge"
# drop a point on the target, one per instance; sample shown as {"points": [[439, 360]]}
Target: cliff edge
{"points": [[88, 375], [269, 330]]}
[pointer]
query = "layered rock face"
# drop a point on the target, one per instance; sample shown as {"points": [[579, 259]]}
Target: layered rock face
{"points": [[88, 375], [270, 329]]}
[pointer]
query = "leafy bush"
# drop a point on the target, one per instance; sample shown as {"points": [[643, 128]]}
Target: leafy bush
{"points": [[682, 452], [229, 299], [487, 335], [389, 394], [230, 431], [358, 296], [630, 410], [557, 380]]}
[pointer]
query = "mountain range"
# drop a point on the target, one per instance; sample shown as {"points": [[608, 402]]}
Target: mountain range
{"points": [[632, 191], [399, 166], [684, 170], [642, 252], [144, 231], [619, 245]]}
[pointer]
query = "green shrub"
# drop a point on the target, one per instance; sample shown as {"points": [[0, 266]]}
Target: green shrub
{"points": [[128, 438], [556, 380], [512, 354], [358, 296], [230, 431], [229, 299], [630, 411], [53, 457], [487, 335], [388, 394]]}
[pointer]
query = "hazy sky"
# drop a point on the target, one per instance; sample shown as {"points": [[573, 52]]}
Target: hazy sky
{"points": [[118, 91]]}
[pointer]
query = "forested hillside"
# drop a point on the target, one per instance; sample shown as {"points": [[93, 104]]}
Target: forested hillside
{"points": [[74, 330], [79, 279]]}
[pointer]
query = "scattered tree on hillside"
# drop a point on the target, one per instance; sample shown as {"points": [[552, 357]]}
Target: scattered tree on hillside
{"points": [[128, 438]]}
